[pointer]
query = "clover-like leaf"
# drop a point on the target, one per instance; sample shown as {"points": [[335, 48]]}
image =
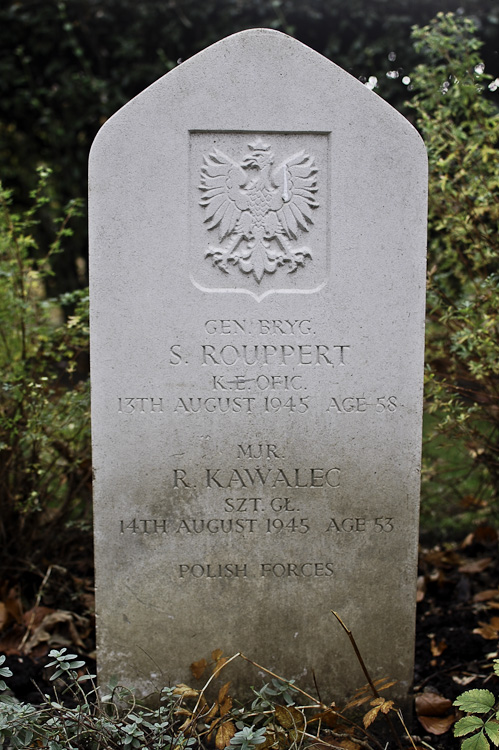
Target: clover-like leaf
{"points": [[477, 742], [492, 730], [475, 701], [467, 724]]}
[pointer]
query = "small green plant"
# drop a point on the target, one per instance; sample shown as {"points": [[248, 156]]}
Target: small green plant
{"points": [[458, 118], [482, 720], [44, 396], [67, 665], [4, 672], [276, 692], [77, 718], [248, 737]]}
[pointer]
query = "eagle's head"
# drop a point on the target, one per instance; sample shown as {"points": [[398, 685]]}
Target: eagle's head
{"points": [[260, 155]]}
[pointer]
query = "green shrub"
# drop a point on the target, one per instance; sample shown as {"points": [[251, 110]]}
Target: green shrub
{"points": [[44, 430], [484, 727], [460, 125]]}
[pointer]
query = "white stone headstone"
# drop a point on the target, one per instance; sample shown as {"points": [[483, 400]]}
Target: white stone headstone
{"points": [[257, 248]]}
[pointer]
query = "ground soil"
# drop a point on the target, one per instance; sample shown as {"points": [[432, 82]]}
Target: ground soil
{"points": [[457, 626]]}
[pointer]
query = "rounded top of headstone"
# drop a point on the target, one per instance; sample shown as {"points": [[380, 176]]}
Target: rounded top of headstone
{"points": [[269, 77]]}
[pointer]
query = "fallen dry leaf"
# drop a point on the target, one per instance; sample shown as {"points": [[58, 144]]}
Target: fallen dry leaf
{"points": [[488, 630], [11, 599], [222, 693], [432, 712], [198, 668], [289, 717], [46, 631], [327, 742], [328, 718], [185, 691], [465, 679], [483, 535], [437, 649], [432, 704], [421, 589], [211, 713], [220, 663], [225, 706], [4, 615], [443, 558], [224, 735], [348, 744], [484, 596], [33, 617], [475, 566], [437, 724], [380, 704]]}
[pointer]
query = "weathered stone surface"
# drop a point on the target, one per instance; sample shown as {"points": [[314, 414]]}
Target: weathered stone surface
{"points": [[257, 291]]}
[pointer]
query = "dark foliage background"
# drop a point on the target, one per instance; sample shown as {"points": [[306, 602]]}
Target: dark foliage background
{"points": [[67, 65]]}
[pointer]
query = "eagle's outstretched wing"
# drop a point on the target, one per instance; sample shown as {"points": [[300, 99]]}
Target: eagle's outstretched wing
{"points": [[221, 183], [296, 183]]}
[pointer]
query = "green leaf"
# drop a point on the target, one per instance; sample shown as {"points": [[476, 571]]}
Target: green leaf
{"points": [[475, 701], [466, 725], [492, 729], [477, 742]]}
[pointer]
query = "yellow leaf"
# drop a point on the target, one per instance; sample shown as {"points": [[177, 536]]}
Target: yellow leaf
{"points": [[386, 707], [357, 702], [185, 691], [224, 735], [371, 715], [215, 655], [384, 683]]}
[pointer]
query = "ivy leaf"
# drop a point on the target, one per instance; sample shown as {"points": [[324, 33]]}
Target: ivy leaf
{"points": [[475, 701], [467, 724]]}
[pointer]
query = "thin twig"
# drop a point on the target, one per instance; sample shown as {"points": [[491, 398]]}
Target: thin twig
{"points": [[368, 676], [37, 603], [357, 654], [401, 718]]}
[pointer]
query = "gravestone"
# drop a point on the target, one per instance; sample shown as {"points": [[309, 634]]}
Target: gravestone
{"points": [[257, 230]]}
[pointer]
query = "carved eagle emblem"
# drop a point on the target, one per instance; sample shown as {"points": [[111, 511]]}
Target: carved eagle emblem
{"points": [[259, 209]]}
